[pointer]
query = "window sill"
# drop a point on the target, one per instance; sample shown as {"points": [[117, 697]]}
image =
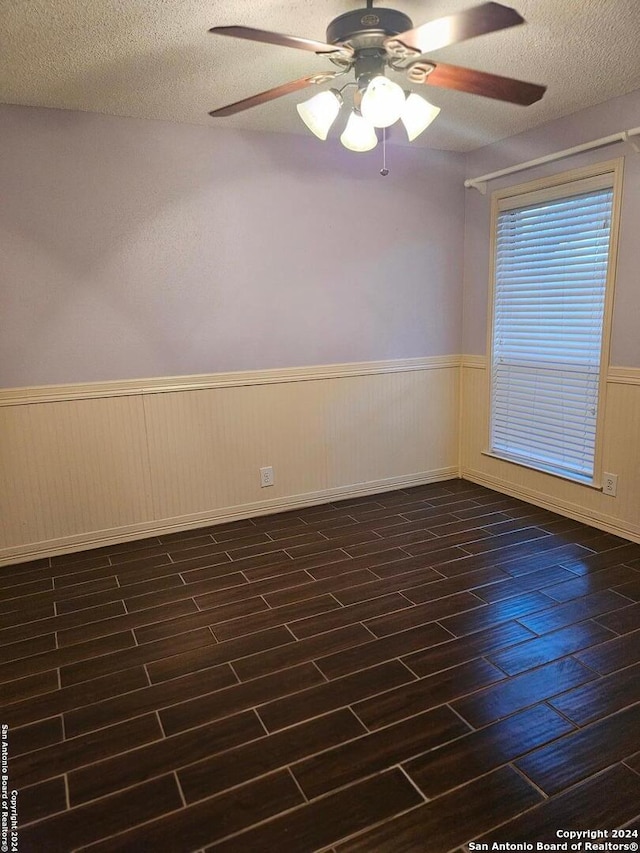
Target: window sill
{"points": [[596, 486]]}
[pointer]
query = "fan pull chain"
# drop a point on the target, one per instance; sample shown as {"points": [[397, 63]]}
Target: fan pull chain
{"points": [[384, 171]]}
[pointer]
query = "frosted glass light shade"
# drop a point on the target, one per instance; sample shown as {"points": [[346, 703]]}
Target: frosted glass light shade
{"points": [[359, 134], [320, 112], [417, 115], [382, 102]]}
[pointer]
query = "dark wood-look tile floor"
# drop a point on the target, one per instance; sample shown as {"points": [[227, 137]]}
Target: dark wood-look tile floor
{"points": [[408, 671]]}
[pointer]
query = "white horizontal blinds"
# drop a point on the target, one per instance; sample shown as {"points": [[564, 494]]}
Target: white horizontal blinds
{"points": [[550, 279]]}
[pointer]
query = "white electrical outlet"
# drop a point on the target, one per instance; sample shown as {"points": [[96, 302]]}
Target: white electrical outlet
{"points": [[266, 476], [610, 484]]}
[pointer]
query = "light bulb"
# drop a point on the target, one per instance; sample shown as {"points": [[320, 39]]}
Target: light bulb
{"points": [[320, 112], [359, 134], [382, 102], [417, 115]]}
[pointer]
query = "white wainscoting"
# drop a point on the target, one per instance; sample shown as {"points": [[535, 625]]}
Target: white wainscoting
{"points": [[92, 464], [621, 455]]}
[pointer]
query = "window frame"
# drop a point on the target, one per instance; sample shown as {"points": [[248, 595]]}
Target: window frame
{"points": [[542, 189]]}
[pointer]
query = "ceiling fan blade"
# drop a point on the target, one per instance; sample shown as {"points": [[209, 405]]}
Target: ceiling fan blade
{"points": [[281, 40], [477, 21], [271, 94], [488, 85]]}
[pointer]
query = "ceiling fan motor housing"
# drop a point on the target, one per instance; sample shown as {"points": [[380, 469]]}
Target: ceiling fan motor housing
{"points": [[367, 28]]}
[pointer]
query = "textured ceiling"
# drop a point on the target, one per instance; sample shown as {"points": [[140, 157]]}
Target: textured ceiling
{"points": [[155, 59]]}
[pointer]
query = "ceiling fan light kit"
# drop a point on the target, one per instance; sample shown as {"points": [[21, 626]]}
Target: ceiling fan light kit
{"points": [[320, 112], [370, 41], [359, 134], [417, 115], [382, 102]]}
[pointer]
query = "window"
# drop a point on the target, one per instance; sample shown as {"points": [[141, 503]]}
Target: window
{"points": [[551, 303]]}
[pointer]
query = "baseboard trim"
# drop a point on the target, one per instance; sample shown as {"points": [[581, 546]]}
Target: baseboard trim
{"points": [[566, 508], [128, 533]]}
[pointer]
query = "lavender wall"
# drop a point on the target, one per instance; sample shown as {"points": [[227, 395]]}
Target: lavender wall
{"points": [[615, 115], [137, 249]]}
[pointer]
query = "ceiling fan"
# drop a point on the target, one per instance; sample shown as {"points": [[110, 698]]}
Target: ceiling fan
{"points": [[368, 41]]}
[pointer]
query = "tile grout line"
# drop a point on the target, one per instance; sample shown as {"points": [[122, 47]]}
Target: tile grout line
{"points": [[296, 783], [66, 790], [159, 719], [472, 728], [575, 725], [524, 776], [179, 786], [326, 680], [633, 769], [235, 675], [411, 782]]}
